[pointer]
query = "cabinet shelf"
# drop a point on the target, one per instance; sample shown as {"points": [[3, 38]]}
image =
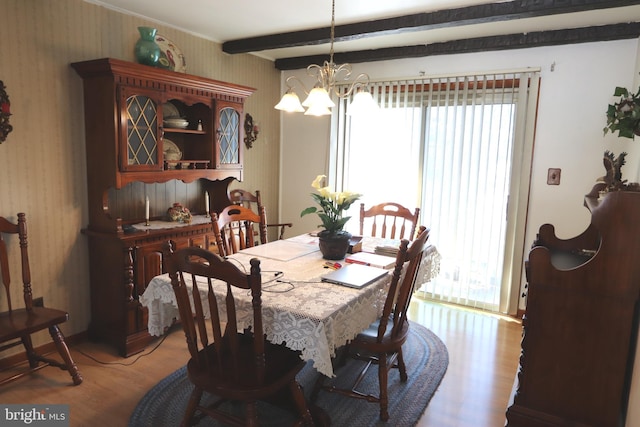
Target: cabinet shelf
{"points": [[185, 131], [185, 165]]}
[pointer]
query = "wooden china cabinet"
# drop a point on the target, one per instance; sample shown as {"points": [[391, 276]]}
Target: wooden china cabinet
{"points": [[581, 323], [132, 154]]}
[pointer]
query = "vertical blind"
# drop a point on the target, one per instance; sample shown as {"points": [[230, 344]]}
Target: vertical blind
{"points": [[449, 145]]}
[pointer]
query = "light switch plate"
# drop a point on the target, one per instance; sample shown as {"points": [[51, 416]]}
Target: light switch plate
{"points": [[553, 176]]}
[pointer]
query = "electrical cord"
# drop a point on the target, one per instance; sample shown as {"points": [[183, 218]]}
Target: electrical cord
{"points": [[226, 258], [278, 282], [276, 276], [164, 337], [277, 273]]}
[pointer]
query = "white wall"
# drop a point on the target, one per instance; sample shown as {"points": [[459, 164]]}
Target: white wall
{"points": [[304, 155], [577, 83]]}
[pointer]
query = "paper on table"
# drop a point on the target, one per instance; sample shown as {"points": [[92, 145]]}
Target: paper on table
{"points": [[281, 250], [306, 238]]}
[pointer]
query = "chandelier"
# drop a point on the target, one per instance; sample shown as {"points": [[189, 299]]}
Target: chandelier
{"points": [[327, 76]]}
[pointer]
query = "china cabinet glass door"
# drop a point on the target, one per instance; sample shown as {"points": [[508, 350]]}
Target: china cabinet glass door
{"points": [[140, 145], [229, 138]]}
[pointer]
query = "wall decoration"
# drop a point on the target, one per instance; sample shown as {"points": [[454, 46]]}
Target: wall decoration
{"points": [[5, 112], [171, 57], [251, 131]]}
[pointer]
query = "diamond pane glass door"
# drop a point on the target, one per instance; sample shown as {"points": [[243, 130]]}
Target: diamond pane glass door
{"points": [[142, 131], [229, 138]]}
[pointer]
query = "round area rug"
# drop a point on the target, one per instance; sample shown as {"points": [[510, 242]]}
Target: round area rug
{"points": [[425, 356]]}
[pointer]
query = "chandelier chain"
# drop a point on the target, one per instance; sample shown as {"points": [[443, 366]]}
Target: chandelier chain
{"points": [[333, 28]]}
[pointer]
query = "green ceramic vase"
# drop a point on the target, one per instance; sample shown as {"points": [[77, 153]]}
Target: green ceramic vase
{"points": [[146, 50]]}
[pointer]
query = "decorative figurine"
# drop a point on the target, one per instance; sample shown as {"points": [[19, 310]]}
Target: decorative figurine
{"points": [[251, 131], [179, 213]]}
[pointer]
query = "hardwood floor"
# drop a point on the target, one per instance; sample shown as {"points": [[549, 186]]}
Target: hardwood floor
{"points": [[483, 357]]}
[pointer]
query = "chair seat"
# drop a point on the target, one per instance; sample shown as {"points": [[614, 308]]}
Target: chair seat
{"points": [[368, 339], [21, 322], [238, 376]]}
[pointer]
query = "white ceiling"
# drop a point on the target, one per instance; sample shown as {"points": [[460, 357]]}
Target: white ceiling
{"points": [[226, 20]]}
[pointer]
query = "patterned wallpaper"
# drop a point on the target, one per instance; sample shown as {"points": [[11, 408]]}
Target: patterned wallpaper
{"points": [[42, 162]]}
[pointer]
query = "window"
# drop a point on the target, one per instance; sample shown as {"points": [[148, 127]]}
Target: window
{"points": [[453, 146]]}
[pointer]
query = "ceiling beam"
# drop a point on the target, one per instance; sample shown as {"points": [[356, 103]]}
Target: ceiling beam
{"points": [[479, 14], [492, 43]]}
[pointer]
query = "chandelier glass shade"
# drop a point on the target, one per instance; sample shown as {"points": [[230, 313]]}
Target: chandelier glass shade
{"points": [[328, 76], [290, 102], [362, 104]]}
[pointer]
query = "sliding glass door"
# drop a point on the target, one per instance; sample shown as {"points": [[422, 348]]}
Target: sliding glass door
{"points": [[453, 146]]}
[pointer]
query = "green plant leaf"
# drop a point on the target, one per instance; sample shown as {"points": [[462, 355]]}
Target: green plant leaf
{"points": [[308, 210], [626, 133], [621, 91], [623, 116]]}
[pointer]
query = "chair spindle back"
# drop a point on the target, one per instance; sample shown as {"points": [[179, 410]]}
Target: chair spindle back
{"points": [[403, 284], [196, 271], [20, 228], [389, 220], [234, 228]]}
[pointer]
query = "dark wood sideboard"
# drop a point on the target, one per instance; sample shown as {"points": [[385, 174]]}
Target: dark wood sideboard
{"points": [[126, 106], [581, 320]]}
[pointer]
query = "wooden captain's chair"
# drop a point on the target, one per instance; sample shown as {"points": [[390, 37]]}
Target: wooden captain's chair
{"points": [[254, 202], [228, 360], [389, 220], [381, 343], [18, 324], [234, 228]]}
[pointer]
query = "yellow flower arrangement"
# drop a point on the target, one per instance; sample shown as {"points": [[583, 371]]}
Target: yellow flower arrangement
{"points": [[332, 205]]}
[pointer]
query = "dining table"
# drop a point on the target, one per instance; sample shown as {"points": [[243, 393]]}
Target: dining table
{"points": [[298, 308]]}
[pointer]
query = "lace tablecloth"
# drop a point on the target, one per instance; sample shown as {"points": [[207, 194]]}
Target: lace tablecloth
{"points": [[297, 308]]}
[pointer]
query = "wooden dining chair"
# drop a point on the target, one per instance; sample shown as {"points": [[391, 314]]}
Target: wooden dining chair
{"points": [[254, 202], [235, 228], [381, 343], [389, 220], [238, 364], [18, 324]]}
